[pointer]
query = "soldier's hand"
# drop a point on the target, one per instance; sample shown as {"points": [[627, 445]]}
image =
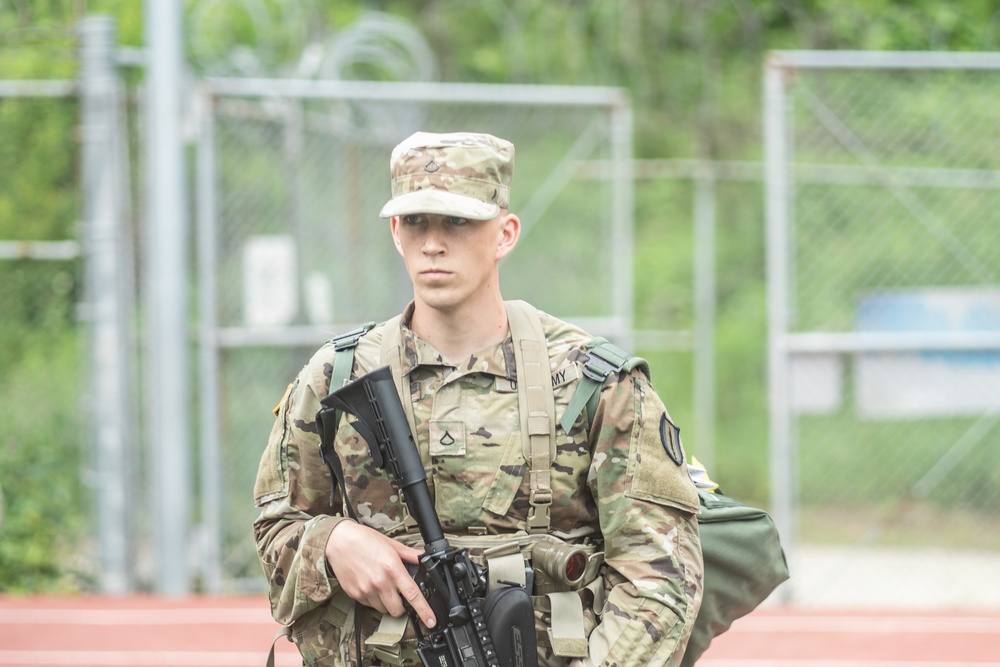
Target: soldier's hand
{"points": [[369, 567]]}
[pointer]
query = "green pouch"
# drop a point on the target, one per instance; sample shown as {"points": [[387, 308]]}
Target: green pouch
{"points": [[744, 563]]}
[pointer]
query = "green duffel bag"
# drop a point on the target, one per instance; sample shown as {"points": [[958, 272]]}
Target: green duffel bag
{"points": [[744, 563]]}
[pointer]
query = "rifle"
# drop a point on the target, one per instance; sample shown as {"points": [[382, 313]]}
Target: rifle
{"points": [[449, 579]]}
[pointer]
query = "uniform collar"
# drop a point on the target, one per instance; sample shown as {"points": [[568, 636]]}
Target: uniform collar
{"points": [[495, 360]]}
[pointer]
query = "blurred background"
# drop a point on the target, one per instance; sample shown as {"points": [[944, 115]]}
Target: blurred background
{"points": [[789, 208]]}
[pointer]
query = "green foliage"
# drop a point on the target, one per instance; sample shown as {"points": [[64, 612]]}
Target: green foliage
{"points": [[38, 161], [41, 466]]}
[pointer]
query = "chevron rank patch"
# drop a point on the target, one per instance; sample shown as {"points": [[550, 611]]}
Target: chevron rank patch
{"points": [[670, 437]]}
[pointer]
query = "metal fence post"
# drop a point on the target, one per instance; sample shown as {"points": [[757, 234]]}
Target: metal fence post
{"points": [[112, 397], [704, 324], [212, 469], [777, 198], [622, 127], [168, 364]]}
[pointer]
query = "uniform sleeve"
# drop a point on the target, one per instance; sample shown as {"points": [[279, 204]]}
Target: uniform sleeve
{"points": [[647, 507], [293, 490]]}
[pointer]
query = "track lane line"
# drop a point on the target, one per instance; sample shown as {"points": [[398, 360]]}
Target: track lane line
{"points": [[943, 624], [192, 616], [778, 662], [147, 658]]}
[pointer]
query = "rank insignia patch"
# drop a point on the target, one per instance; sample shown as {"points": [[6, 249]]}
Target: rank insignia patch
{"points": [[670, 437]]}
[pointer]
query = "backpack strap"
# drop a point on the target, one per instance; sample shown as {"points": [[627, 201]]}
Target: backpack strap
{"points": [[343, 362], [604, 359], [328, 419], [536, 405]]}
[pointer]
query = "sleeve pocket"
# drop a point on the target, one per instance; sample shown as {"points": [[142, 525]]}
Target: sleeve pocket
{"points": [[657, 471]]}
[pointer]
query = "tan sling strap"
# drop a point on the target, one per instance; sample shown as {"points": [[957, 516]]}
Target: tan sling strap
{"points": [[537, 408], [285, 632], [387, 641], [566, 634]]}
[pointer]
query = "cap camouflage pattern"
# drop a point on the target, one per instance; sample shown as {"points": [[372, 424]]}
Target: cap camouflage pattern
{"points": [[465, 174]]}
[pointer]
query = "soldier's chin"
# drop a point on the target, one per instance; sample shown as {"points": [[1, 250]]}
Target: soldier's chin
{"points": [[439, 298]]}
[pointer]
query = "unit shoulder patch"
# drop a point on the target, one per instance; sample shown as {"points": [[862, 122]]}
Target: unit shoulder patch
{"points": [[670, 438]]}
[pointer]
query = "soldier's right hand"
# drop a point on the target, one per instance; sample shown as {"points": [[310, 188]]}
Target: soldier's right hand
{"points": [[369, 567]]}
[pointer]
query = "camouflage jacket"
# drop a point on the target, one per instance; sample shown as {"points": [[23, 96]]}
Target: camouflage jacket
{"points": [[613, 479]]}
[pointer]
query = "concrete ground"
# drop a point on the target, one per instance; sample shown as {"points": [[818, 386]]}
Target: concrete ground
{"points": [[886, 578]]}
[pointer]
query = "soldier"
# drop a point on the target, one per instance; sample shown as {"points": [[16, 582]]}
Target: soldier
{"points": [[334, 546]]}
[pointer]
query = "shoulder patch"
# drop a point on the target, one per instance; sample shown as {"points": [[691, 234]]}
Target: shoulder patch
{"points": [[284, 397], [657, 454], [670, 438]]}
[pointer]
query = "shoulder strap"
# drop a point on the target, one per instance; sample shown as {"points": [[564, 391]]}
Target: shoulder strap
{"points": [[343, 365], [604, 360], [536, 406], [328, 419], [343, 361]]}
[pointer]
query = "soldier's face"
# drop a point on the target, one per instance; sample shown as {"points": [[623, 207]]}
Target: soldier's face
{"points": [[452, 261]]}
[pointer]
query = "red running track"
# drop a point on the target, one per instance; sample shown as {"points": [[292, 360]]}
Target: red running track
{"points": [[223, 631]]}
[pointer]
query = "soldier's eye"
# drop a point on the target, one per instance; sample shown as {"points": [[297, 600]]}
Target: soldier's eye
{"points": [[413, 219], [458, 221]]}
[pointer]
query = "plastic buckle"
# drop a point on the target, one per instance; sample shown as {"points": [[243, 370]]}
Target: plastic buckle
{"points": [[540, 497], [598, 369], [350, 339]]}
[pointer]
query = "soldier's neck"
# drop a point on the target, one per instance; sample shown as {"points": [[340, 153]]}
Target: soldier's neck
{"points": [[458, 333]]}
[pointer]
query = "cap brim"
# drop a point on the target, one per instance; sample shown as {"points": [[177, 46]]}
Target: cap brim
{"points": [[440, 202]]}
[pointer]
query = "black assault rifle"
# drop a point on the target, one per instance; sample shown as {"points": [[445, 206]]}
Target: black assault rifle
{"points": [[452, 583]]}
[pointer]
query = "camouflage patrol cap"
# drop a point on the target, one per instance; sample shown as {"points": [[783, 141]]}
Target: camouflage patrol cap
{"points": [[465, 174]]}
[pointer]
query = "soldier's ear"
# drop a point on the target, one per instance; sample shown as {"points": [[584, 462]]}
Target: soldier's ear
{"points": [[393, 228], [507, 235]]}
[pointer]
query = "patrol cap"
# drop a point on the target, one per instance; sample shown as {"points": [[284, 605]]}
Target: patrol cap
{"points": [[464, 174]]}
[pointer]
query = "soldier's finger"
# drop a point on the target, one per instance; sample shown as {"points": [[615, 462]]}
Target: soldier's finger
{"points": [[375, 603], [393, 603], [411, 592], [408, 554]]}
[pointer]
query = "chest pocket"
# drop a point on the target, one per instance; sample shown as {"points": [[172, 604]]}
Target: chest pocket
{"points": [[475, 443]]}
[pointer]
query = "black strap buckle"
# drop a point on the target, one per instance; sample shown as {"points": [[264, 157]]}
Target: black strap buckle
{"points": [[350, 339], [598, 369]]}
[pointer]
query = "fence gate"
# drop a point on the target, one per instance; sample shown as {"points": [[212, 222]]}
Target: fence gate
{"points": [[291, 176], [883, 192]]}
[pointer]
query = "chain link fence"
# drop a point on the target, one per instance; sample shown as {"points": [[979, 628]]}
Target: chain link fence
{"points": [[69, 444], [42, 340], [291, 251], [881, 189], [883, 183], [292, 176]]}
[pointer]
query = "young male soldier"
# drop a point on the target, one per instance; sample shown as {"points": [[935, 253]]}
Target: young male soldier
{"points": [[332, 549]]}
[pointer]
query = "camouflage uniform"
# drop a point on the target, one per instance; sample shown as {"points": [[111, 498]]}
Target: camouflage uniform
{"points": [[616, 481]]}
